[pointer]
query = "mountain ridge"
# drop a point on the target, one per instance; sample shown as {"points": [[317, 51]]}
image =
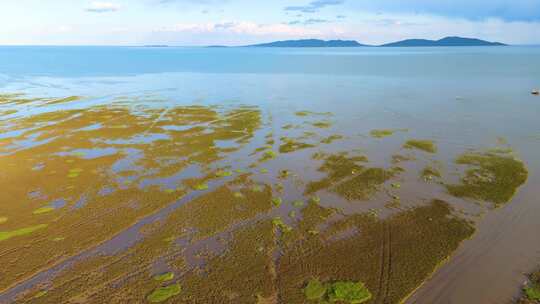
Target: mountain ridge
{"points": [[446, 41]]}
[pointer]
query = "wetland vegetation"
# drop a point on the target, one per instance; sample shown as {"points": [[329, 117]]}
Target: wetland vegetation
{"points": [[129, 202]]}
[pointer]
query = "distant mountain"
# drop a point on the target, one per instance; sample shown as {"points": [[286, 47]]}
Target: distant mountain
{"points": [[310, 43], [448, 41]]}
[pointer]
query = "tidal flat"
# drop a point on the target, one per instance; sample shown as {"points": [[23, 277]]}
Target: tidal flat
{"points": [[123, 201]]}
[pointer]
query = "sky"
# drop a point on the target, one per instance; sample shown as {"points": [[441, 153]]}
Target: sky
{"points": [[242, 22]]}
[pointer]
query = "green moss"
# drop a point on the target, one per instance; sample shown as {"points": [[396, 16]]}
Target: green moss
{"points": [[423, 145], [43, 210], [6, 235], [164, 293], [164, 277], [349, 292], [315, 290], [491, 177]]}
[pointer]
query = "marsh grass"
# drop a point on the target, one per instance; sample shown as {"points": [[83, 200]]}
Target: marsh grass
{"points": [[491, 177], [6, 235], [423, 145]]}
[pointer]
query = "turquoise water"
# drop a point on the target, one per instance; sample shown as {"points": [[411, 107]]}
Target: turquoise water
{"points": [[462, 98]]}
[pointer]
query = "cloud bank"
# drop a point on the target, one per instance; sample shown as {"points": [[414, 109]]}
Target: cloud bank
{"points": [[102, 7]]}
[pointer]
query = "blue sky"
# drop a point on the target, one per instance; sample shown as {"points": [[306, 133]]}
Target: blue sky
{"points": [[238, 22]]}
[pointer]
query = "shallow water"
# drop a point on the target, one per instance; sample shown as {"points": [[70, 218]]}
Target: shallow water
{"points": [[170, 160]]}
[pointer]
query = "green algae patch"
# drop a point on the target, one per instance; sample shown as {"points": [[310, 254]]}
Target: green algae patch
{"points": [[423, 145], [164, 293], [491, 177], [43, 210], [349, 292], [164, 277], [6, 235], [338, 292], [532, 292], [315, 290], [3, 219]]}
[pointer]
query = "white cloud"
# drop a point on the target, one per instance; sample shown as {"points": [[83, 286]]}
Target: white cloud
{"points": [[242, 27], [102, 7]]}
